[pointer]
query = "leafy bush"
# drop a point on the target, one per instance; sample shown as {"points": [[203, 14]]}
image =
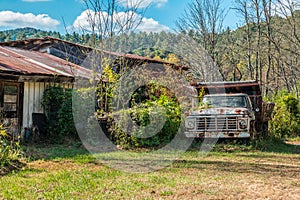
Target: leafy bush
{"points": [[286, 116], [59, 106], [57, 103], [9, 150], [142, 114]]}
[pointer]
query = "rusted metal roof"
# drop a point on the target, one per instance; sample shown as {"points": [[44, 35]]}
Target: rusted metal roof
{"points": [[39, 44], [146, 59], [25, 62]]}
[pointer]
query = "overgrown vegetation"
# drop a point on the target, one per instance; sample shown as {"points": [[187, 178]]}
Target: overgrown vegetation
{"points": [[143, 108], [10, 152], [142, 114], [286, 116], [57, 102]]}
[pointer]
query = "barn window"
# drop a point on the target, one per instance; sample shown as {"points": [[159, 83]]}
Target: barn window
{"points": [[10, 98]]}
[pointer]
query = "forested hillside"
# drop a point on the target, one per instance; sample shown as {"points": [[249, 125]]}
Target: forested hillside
{"points": [[141, 43], [25, 33]]}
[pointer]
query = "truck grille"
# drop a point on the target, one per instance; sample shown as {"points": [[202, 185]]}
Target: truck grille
{"points": [[217, 123]]}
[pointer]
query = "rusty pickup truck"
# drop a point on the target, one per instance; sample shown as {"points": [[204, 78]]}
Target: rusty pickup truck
{"points": [[229, 110]]}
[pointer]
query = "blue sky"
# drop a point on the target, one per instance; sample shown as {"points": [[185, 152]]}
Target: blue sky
{"points": [[48, 14]]}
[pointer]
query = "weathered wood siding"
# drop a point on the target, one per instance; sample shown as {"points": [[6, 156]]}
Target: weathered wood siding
{"points": [[32, 97]]}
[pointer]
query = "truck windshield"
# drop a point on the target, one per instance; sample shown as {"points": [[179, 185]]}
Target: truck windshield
{"points": [[225, 101]]}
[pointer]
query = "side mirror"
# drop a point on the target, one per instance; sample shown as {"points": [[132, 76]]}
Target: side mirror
{"points": [[256, 109]]}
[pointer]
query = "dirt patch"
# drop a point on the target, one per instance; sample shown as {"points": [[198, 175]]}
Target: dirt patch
{"points": [[297, 143], [67, 165]]}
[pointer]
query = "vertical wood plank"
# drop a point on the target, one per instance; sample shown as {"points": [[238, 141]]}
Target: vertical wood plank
{"points": [[37, 99], [33, 97], [41, 93], [25, 105], [31, 101]]}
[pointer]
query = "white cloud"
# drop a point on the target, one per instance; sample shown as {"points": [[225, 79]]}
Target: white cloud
{"points": [[19, 20], [150, 25], [83, 21], [284, 7], [142, 3], [88, 18], [36, 0]]}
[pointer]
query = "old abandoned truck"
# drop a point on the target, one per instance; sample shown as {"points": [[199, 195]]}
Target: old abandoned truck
{"points": [[229, 110]]}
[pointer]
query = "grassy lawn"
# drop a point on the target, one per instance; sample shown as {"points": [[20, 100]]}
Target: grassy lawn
{"points": [[69, 172]]}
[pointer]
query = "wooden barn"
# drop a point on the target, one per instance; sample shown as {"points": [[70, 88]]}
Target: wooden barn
{"points": [[27, 67]]}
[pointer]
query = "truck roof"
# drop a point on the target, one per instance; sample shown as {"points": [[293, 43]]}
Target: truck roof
{"points": [[225, 94], [226, 82], [249, 87]]}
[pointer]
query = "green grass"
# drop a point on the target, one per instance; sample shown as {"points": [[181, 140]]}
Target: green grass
{"points": [[229, 172]]}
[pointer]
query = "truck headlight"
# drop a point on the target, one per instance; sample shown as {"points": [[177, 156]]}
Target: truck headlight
{"points": [[243, 124], [190, 123]]}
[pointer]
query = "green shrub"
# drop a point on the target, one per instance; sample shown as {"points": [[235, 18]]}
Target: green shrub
{"points": [[57, 103], [60, 109], [140, 114], [286, 116], [9, 150], [65, 121]]}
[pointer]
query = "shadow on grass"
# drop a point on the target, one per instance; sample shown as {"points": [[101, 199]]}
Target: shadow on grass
{"points": [[77, 151], [278, 169], [276, 146], [244, 159], [263, 145], [57, 152]]}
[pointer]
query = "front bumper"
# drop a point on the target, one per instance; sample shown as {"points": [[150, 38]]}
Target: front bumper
{"points": [[218, 126], [195, 134]]}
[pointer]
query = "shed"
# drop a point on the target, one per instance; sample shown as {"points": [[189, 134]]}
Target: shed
{"points": [[24, 75]]}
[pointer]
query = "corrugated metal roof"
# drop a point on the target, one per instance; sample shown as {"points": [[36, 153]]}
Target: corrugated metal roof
{"points": [[145, 59], [37, 44], [26, 62]]}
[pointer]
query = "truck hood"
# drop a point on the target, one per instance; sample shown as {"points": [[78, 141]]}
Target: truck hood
{"points": [[221, 111]]}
